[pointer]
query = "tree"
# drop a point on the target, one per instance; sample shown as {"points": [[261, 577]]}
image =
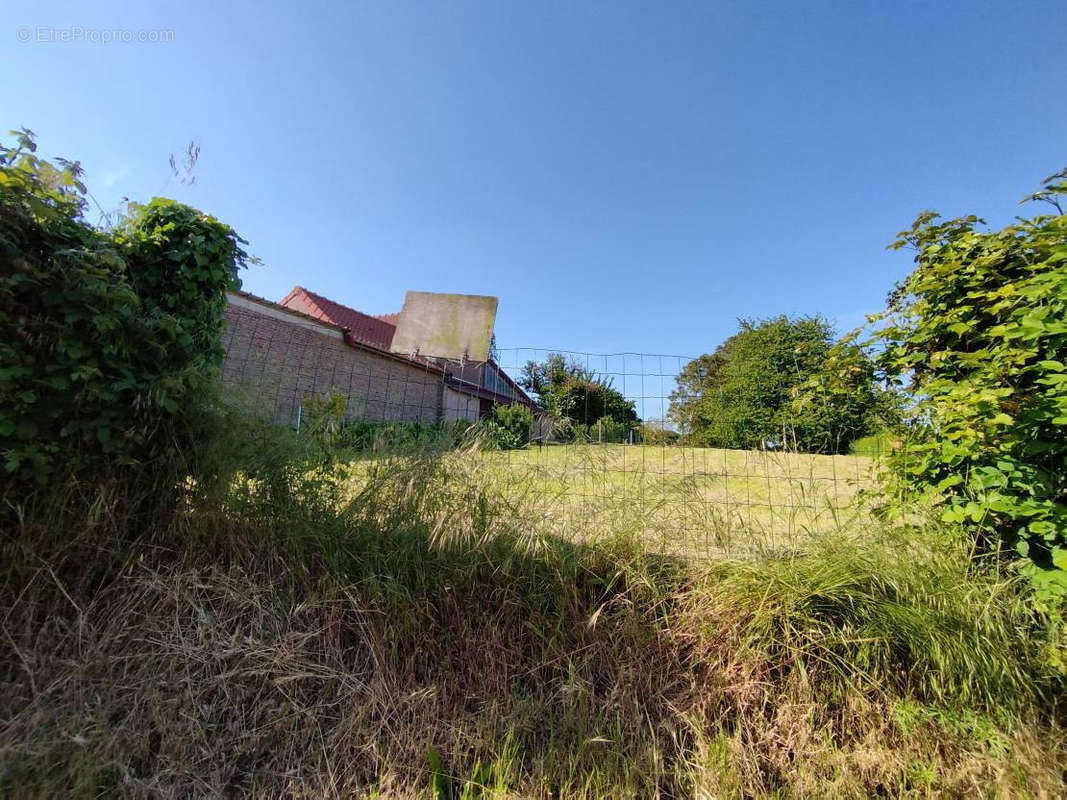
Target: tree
{"points": [[692, 381], [570, 390], [540, 377], [587, 401], [842, 402], [979, 333], [780, 382]]}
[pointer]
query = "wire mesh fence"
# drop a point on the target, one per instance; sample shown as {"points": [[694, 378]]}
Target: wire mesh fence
{"points": [[648, 478], [608, 456]]}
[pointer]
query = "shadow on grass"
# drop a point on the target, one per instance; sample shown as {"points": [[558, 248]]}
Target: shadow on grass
{"points": [[279, 636]]}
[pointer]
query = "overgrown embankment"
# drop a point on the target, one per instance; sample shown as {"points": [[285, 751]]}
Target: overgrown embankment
{"points": [[277, 638]]}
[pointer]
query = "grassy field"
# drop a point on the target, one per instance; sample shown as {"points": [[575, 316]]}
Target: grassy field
{"points": [[675, 500]]}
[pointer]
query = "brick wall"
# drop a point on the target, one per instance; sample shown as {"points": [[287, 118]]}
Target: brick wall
{"points": [[275, 359]]}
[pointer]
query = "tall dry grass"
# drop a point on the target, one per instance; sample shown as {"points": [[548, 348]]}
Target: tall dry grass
{"points": [[279, 637]]}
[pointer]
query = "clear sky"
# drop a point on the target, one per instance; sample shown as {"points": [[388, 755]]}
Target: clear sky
{"points": [[623, 176]]}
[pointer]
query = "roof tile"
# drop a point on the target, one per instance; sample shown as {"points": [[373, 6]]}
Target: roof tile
{"points": [[375, 331]]}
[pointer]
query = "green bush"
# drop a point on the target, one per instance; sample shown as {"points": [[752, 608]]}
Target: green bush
{"points": [[509, 427], [568, 389], [109, 339], [608, 430], [979, 332], [586, 401]]}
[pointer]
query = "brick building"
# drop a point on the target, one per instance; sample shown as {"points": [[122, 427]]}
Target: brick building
{"points": [[278, 354]]}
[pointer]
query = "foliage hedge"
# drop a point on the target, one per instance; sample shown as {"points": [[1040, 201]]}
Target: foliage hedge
{"points": [[784, 383], [108, 338], [979, 332]]}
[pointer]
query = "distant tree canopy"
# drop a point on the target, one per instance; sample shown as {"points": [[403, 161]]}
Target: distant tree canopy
{"points": [[568, 389], [781, 382]]}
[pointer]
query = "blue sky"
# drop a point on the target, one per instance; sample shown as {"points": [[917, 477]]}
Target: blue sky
{"points": [[623, 176]]}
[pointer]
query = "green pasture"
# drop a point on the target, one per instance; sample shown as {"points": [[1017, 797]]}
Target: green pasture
{"points": [[677, 500]]}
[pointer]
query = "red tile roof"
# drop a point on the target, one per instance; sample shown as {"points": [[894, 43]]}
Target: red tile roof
{"points": [[375, 331], [349, 340]]}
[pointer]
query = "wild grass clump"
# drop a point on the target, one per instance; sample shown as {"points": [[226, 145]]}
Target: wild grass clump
{"points": [[284, 634], [901, 615]]}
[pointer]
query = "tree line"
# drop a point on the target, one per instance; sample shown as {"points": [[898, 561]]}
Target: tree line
{"points": [[779, 383]]}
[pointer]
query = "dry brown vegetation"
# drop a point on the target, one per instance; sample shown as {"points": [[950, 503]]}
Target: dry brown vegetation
{"points": [[278, 637]]}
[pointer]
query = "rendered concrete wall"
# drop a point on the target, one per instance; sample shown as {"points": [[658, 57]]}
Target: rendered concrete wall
{"points": [[453, 326], [460, 406]]}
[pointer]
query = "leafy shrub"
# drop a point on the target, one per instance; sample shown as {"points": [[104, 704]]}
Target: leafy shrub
{"points": [[588, 401], [322, 416], [568, 389], [509, 427], [979, 332], [109, 339], [606, 431]]}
